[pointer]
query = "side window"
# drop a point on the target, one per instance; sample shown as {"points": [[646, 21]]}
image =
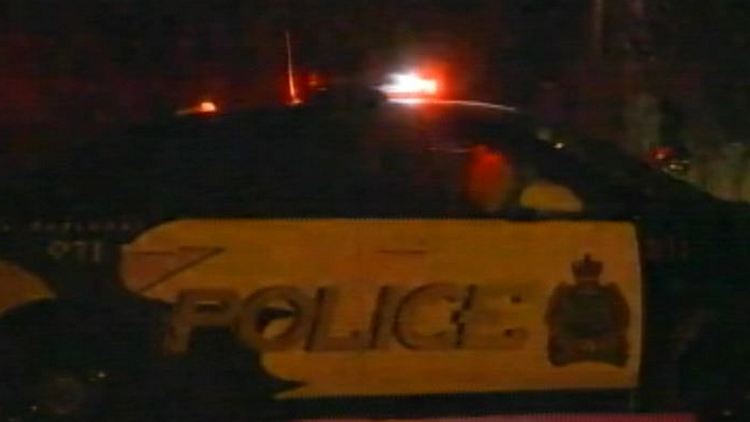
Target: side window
{"points": [[279, 163], [311, 165], [407, 174], [197, 172], [103, 177]]}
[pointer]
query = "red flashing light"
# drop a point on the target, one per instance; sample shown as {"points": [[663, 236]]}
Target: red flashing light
{"points": [[489, 178]]}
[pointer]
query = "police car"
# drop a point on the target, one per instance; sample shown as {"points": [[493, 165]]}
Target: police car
{"points": [[369, 257]]}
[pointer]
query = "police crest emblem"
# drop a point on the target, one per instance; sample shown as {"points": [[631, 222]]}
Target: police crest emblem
{"points": [[588, 319]]}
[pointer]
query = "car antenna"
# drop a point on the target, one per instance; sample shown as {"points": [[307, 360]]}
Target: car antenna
{"points": [[293, 98]]}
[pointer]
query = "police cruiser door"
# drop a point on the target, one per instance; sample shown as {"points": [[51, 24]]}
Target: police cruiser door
{"points": [[392, 253]]}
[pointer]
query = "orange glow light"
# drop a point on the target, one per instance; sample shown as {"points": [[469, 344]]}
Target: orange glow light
{"points": [[314, 80], [204, 107], [207, 107]]}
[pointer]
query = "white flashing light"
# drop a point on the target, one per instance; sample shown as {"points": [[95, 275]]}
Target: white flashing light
{"points": [[410, 84]]}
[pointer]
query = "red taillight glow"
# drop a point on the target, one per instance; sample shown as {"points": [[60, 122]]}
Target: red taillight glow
{"points": [[410, 84], [659, 154]]}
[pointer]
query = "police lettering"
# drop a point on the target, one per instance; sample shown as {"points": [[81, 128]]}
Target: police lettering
{"points": [[468, 319]]}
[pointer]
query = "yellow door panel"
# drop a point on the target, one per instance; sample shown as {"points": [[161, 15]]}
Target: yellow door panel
{"points": [[382, 307]]}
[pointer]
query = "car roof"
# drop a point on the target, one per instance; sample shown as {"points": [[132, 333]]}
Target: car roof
{"points": [[603, 156]]}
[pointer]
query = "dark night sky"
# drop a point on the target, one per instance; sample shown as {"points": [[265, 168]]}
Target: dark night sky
{"points": [[209, 45], [78, 66], [126, 60]]}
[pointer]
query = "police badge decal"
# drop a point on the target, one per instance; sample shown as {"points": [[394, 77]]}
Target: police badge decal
{"points": [[588, 319]]}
